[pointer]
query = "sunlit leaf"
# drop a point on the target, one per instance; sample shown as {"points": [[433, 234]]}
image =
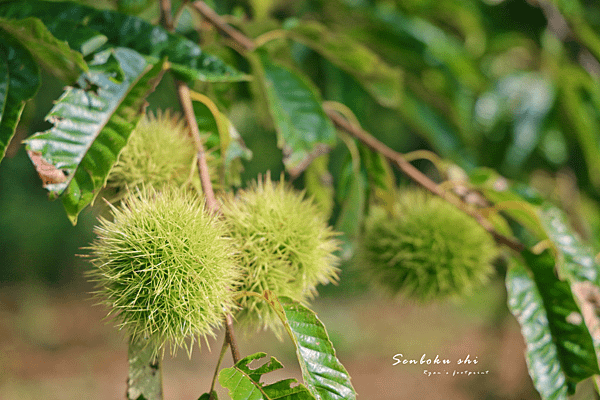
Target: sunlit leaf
{"points": [[54, 55], [243, 382], [323, 374], [92, 124]]}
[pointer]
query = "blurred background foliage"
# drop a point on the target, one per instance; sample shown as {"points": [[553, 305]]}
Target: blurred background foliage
{"points": [[511, 85]]}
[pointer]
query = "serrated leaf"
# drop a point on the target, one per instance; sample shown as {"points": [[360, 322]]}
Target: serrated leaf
{"points": [[295, 105], [243, 382], [560, 350], [92, 124], [381, 80], [54, 55], [19, 81], [186, 58], [323, 374], [577, 261]]}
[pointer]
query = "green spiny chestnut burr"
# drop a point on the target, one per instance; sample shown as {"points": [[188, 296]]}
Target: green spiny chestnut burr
{"points": [[165, 266], [429, 250], [284, 244], [159, 152]]}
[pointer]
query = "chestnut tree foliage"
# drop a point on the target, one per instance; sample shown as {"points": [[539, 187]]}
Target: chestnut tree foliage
{"points": [[501, 97]]}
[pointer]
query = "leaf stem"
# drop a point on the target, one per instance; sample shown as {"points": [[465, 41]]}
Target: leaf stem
{"points": [[224, 28], [370, 141], [185, 100], [418, 177]]}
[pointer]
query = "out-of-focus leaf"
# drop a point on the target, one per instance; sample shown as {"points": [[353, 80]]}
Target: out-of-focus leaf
{"points": [[583, 117], [525, 100], [319, 183], [436, 43], [443, 137], [295, 106], [243, 382], [186, 59], [560, 350], [323, 374], [133, 6], [92, 124], [352, 195], [56, 56], [19, 81], [381, 80]]}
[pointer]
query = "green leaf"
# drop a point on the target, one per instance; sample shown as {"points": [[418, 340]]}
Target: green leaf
{"points": [[207, 396], [133, 6], [19, 81], [231, 148], [577, 85], [319, 183], [92, 124], [295, 105], [444, 138], [560, 350], [352, 194], [144, 380], [54, 55], [577, 259], [323, 374], [244, 383], [186, 58], [381, 80], [435, 43]]}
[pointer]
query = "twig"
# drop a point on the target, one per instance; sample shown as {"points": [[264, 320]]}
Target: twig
{"points": [[374, 144], [417, 176], [183, 93], [222, 26], [188, 111], [211, 202], [166, 19]]}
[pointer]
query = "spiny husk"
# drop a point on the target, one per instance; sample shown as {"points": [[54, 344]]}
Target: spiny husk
{"points": [[429, 250], [284, 244], [165, 267], [159, 152]]}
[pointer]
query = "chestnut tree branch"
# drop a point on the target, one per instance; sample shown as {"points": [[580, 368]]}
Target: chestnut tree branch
{"points": [[394, 157], [185, 101]]}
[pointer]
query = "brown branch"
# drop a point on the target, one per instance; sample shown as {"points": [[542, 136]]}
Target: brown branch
{"points": [[374, 144], [188, 111], [185, 101], [211, 201], [417, 176], [166, 18], [218, 22]]}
